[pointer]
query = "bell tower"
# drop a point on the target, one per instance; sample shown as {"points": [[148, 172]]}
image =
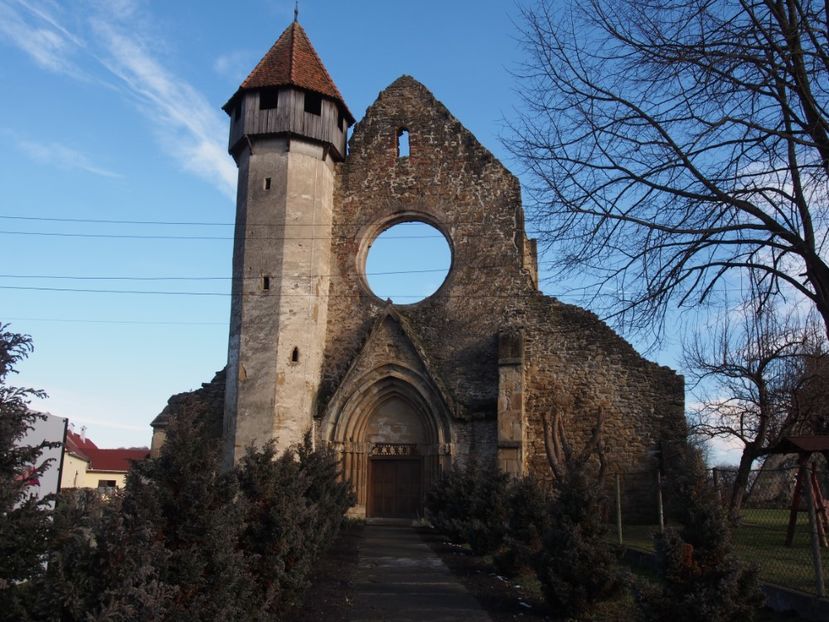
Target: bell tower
{"points": [[288, 130]]}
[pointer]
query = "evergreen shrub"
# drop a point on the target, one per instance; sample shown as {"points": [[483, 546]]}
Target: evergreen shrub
{"points": [[469, 505], [702, 579], [188, 541], [577, 567], [527, 502], [24, 517]]}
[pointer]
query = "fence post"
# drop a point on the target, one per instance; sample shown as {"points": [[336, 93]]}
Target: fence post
{"points": [[659, 501], [816, 559], [619, 509]]}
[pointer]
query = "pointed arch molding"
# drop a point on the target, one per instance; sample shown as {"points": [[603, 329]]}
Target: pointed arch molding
{"points": [[391, 366], [346, 418]]}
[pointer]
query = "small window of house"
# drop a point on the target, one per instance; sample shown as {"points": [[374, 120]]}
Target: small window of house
{"points": [[268, 99], [106, 483], [403, 143], [313, 103]]}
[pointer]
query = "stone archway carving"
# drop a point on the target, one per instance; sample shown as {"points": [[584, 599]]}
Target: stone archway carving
{"points": [[349, 425]]}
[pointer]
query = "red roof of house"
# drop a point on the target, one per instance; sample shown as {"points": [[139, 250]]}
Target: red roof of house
{"points": [[117, 459], [79, 445], [103, 459], [292, 61]]}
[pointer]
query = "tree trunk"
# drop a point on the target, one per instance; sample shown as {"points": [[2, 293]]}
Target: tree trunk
{"points": [[741, 483], [818, 274]]}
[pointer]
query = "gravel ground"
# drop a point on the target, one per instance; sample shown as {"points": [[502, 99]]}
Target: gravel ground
{"points": [[504, 600], [330, 597]]}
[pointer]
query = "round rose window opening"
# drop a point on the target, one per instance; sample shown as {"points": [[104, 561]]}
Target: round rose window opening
{"points": [[408, 262]]}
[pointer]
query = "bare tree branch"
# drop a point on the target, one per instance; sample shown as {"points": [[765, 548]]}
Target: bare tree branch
{"points": [[748, 379], [672, 146]]}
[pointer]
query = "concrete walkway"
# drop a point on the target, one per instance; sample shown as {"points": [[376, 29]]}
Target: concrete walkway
{"points": [[399, 578]]}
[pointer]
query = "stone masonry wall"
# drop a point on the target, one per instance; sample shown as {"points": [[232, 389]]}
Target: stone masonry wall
{"points": [[451, 181]]}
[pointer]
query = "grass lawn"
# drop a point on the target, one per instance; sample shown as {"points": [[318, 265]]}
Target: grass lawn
{"points": [[760, 539]]}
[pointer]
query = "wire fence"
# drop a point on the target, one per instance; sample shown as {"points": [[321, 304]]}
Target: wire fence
{"points": [[774, 527]]}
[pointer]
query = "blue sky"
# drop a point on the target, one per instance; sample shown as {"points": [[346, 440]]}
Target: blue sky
{"points": [[112, 111]]}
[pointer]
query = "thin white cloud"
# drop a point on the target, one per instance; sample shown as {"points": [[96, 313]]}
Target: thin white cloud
{"points": [[61, 156], [53, 153], [49, 47], [188, 126], [46, 16], [234, 66], [724, 451], [121, 10], [114, 425]]}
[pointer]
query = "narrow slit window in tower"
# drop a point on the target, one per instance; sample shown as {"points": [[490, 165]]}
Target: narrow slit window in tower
{"points": [[267, 184], [295, 355], [266, 283], [313, 103], [268, 99], [403, 143]]}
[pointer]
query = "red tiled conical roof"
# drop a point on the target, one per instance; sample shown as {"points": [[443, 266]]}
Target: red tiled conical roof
{"points": [[293, 61]]}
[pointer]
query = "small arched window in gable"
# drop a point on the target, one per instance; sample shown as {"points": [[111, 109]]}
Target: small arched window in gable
{"points": [[403, 143], [295, 355]]}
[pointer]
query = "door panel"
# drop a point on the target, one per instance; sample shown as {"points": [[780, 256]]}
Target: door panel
{"points": [[395, 488]]}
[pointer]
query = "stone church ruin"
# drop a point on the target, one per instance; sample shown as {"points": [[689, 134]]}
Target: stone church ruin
{"points": [[401, 392]]}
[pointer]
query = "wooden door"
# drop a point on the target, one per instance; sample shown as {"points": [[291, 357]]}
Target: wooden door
{"points": [[395, 488]]}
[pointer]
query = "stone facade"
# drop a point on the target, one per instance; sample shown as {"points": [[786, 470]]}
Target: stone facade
{"points": [[207, 402], [490, 344], [401, 392]]}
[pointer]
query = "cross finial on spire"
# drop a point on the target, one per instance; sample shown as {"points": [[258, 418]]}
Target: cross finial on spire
{"points": [[296, 11]]}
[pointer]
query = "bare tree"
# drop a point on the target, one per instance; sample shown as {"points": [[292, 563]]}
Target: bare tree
{"points": [[809, 387], [672, 144], [747, 377]]}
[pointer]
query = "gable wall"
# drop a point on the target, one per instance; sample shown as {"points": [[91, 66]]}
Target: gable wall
{"points": [[451, 178], [457, 184]]}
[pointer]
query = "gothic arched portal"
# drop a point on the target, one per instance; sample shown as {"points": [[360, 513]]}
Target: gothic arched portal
{"points": [[391, 433]]}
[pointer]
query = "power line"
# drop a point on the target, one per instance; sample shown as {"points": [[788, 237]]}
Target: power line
{"points": [[207, 278], [96, 321], [111, 221], [257, 294], [117, 278], [183, 223], [111, 291], [132, 236]]}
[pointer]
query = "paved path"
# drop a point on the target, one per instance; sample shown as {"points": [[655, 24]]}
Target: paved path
{"points": [[398, 577]]}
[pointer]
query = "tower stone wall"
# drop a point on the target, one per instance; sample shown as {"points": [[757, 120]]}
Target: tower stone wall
{"points": [[288, 125], [281, 264]]}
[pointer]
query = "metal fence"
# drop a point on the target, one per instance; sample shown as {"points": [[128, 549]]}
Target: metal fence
{"points": [[788, 547]]}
